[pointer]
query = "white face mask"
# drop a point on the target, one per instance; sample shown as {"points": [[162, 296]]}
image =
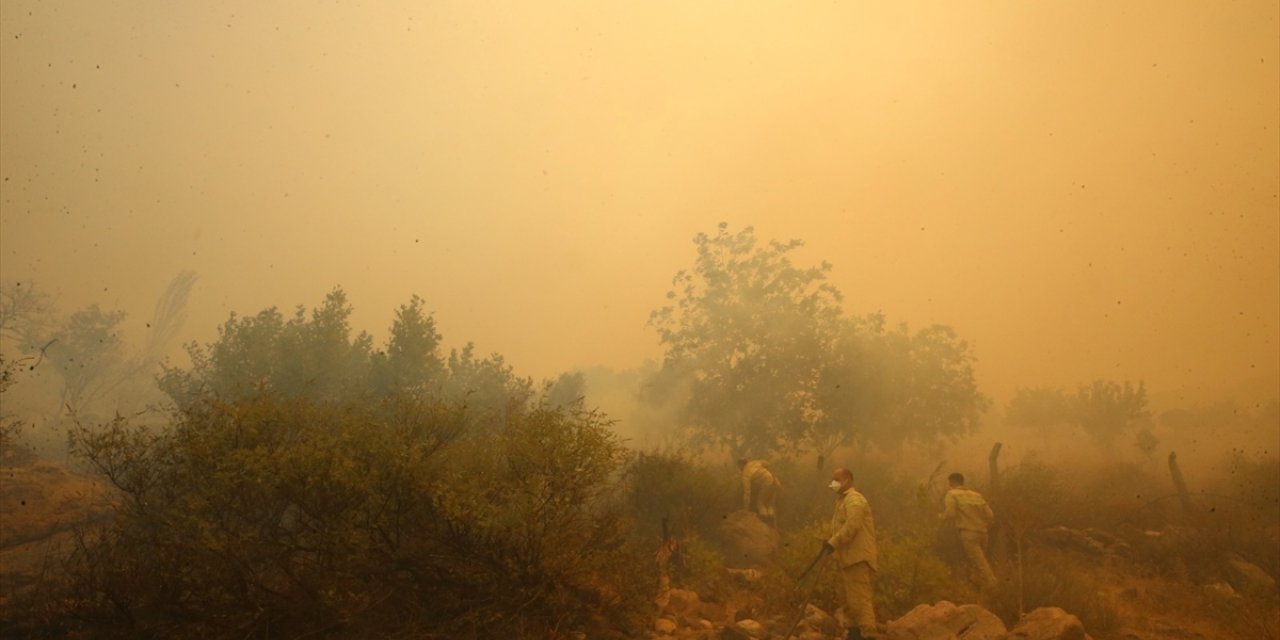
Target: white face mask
{"points": [[835, 486]]}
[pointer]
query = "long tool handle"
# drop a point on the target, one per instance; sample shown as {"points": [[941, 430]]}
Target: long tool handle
{"points": [[808, 591], [822, 553]]}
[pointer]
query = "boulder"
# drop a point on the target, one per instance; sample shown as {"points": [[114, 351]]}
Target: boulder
{"points": [[946, 621], [1048, 623], [682, 601], [749, 543], [820, 620], [751, 628], [665, 626]]}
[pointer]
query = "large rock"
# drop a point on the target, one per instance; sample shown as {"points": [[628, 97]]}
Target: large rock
{"points": [[752, 628], [820, 620], [1048, 623], [665, 626], [946, 621], [749, 543], [682, 602]]}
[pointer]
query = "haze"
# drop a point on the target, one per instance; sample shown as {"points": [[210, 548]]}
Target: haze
{"points": [[1083, 189]]}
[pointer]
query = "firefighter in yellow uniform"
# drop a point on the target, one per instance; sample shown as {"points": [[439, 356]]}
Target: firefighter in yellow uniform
{"points": [[854, 545], [971, 515], [757, 477]]}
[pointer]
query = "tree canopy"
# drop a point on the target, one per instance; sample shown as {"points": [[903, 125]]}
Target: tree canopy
{"points": [[1104, 409], [759, 357], [307, 484]]}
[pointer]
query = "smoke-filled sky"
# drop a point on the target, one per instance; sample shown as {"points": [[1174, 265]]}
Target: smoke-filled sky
{"points": [[1082, 189]]}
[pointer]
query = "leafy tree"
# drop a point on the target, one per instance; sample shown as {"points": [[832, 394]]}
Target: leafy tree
{"points": [[566, 390], [98, 371], [1043, 409], [89, 355], [1146, 442], [488, 386], [1105, 409], [411, 361], [882, 386], [759, 358], [312, 356], [745, 337], [1039, 408]]}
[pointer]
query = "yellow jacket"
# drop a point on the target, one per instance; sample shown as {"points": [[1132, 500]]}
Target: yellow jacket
{"points": [[855, 530], [755, 473], [968, 509]]}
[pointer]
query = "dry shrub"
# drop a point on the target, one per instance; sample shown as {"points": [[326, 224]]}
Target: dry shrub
{"points": [[1054, 579]]}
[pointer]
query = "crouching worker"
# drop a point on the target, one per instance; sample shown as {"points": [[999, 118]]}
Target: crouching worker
{"points": [[854, 545], [758, 479]]}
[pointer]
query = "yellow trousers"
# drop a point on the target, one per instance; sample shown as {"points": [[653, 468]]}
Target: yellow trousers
{"points": [[975, 544], [857, 596]]}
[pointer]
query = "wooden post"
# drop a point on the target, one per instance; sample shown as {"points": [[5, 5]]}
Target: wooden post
{"points": [[992, 464], [1181, 485], [997, 542]]}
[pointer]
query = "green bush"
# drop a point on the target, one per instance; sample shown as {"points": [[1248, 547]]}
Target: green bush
{"points": [[671, 486], [277, 516]]}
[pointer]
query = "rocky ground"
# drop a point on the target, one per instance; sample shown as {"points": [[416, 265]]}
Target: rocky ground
{"points": [[687, 617], [41, 503]]}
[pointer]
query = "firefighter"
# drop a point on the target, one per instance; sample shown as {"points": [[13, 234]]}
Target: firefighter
{"points": [[757, 477], [854, 545], [971, 514]]}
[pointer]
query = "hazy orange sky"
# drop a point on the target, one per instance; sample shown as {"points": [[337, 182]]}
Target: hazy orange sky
{"points": [[1082, 189]]}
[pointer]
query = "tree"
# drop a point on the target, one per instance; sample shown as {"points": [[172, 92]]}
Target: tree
{"points": [[311, 355], [90, 356], [98, 370], [11, 426], [274, 505], [759, 358], [1043, 409], [1105, 409], [568, 390], [27, 317], [885, 387], [745, 338], [488, 386], [411, 361]]}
